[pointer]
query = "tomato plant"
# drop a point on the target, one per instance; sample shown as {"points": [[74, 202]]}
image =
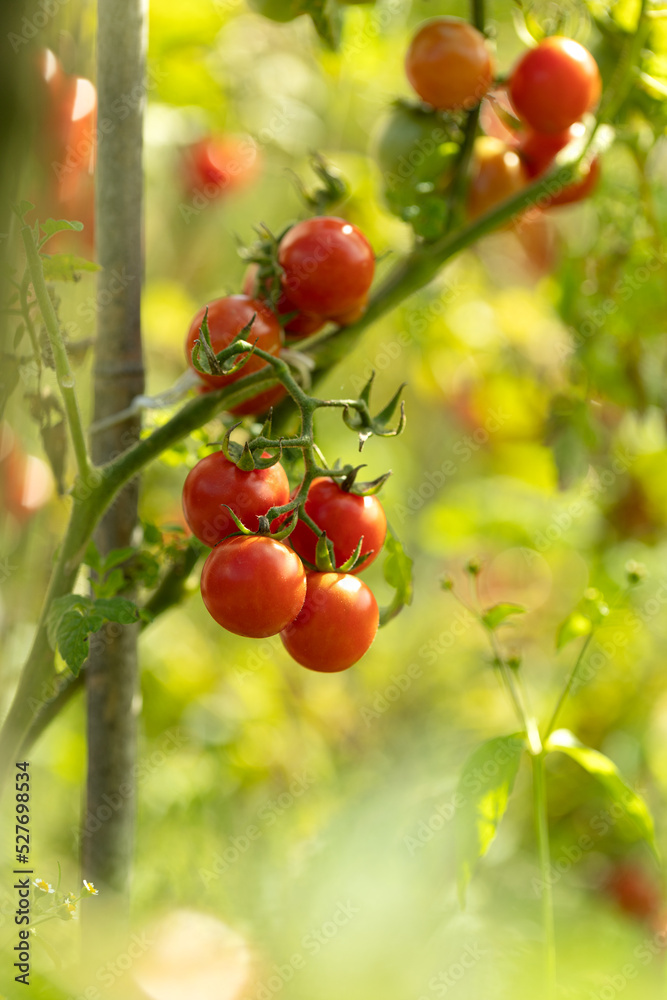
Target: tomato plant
{"points": [[336, 625], [253, 586]]}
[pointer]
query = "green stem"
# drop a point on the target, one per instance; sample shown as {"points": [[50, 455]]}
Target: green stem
{"points": [[542, 832], [574, 673], [63, 371]]}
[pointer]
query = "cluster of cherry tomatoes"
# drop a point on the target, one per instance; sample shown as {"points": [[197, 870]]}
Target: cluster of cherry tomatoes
{"points": [[321, 273], [527, 121], [258, 586]]}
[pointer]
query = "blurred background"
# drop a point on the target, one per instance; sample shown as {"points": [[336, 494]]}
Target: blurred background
{"points": [[294, 832]]}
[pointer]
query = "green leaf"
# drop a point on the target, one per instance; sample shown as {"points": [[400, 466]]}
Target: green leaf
{"points": [[52, 226], [59, 608], [481, 799], [72, 637], [499, 613], [66, 267], [574, 626], [116, 557], [111, 584], [117, 609], [398, 574], [608, 776]]}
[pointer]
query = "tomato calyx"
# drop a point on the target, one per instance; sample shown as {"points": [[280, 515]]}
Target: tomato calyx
{"points": [[225, 362], [325, 560], [359, 419], [366, 489], [250, 455], [334, 186]]}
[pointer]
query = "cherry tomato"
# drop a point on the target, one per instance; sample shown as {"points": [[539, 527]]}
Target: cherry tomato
{"points": [[220, 164], [227, 317], [345, 517], [328, 266], [497, 174], [214, 481], [538, 149], [554, 84], [301, 325], [352, 315], [579, 189], [253, 585], [336, 625], [634, 890], [449, 64], [26, 482]]}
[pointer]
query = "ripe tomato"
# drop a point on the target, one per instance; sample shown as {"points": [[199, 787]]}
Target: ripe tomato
{"points": [[497, 174], [345, 517], [214, 481], [634, 890], [301, 325], [538, 149], [253, 585], [26, 482], [554, 84], [227, 317], [352, 315], [220, 163], [449, 64], [336, 625], [328, 266], [579, 189]]}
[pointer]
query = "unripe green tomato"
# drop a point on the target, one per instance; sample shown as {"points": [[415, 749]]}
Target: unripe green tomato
{"points": [[278, 10], [412, 147]]}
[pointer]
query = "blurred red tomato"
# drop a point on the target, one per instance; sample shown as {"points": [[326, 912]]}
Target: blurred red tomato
{"points": [[26, 482], [634, 890], [219, 164]]}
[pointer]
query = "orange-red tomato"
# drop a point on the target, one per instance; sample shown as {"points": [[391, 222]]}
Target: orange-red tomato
{"points": [[215, 481], [328, 266], [336, 625], [449, 64], [253, 585], [554, 84], [497, 174], [226, 318], [220, 163]]}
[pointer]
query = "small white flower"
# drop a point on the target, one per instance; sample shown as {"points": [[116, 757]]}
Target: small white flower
{"points": [[39, 883], [90, 888]]}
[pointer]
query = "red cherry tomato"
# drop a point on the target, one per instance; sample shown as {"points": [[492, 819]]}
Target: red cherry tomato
{"points": [[554, 84], [301, 325], [634, 891], [579, 189], [538, 149], [352, 315], [219, 164], [214, 481], [449, 64], [497, 174], [336, 625], [345, 517], [328, 266], [26, 482], [227, 317], [253, 585]]}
